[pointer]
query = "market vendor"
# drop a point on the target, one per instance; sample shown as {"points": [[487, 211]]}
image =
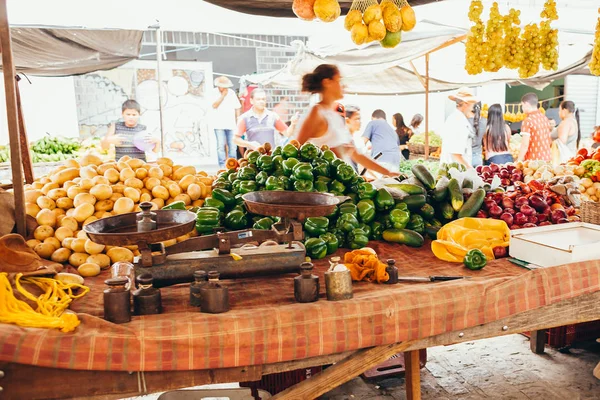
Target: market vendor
{"points": [[323, 125], [458, 132], [129, 137]]}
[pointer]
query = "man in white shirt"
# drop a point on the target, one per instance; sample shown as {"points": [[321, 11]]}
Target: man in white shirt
{"points": [[226, 109], [458, 132]]}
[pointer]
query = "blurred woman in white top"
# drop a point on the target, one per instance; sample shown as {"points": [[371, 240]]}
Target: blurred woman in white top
{"points": [[324, 126]]}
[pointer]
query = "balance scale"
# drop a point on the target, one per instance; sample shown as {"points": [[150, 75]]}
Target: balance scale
{"points": [[263, 252]]}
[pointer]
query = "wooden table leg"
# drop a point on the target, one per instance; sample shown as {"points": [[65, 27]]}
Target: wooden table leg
{"points": [[537, 341], [412, 367]]}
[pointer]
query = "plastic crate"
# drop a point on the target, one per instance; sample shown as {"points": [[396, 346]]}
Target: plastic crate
{"points": [[276, 383], [564, 336]]}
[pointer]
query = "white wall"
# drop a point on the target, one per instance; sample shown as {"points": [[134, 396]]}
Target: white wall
{"points": [[48, 106]]}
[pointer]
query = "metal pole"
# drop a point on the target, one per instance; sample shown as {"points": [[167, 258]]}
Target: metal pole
{"points": [[160, 97], [427, 106]]}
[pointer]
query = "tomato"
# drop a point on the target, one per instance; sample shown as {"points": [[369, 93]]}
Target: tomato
{"points": [[579, 159], [596, 155], [583, 152]]}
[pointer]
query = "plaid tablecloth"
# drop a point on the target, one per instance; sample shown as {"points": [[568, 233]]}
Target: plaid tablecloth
{"points": [[265, 325]]}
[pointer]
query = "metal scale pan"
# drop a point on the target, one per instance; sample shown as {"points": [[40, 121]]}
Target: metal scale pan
{"points": [[292, 205]]}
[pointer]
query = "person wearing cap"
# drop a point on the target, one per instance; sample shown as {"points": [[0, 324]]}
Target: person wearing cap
{"points": [[226, 110], [458, 132]]}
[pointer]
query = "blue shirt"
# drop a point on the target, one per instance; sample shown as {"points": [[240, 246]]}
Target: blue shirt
{"points": [[384, 139]]}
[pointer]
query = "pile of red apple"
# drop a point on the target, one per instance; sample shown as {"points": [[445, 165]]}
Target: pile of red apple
{"points": [[527, 207], [507, 173]]}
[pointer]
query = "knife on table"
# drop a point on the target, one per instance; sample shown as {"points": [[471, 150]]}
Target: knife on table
{"points": [[430, 278]]}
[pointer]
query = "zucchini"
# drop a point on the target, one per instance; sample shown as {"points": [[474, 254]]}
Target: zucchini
{"points": [[456, 197], [467, 183], [427, 212], [414, 181], [407, 188], [415, 201], [441, 189], [447, 211], [432, 231], [423, 174], [472, 206], [403, 236]]}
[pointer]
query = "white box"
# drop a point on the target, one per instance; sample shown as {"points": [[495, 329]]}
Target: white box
{"points": [[552, 245]]}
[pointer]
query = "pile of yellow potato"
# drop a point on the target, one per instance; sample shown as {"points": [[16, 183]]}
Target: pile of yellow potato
{"points": [[85, 190]]}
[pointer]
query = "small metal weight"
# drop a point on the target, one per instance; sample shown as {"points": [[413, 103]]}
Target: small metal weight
{"points": [[392, 271], [338, 284], [214, 298], [200, 280], [117, 306], [146, 299], [306, 285], [146, 219]]}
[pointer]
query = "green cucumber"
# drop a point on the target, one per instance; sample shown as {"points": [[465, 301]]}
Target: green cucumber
{"points": [[423, 174], [427, 212], [456, 197], [432, 231], [415, 201], [472, 206], [441, 189], [447, 211], [403, 236], [407, 188], [467, 183]]}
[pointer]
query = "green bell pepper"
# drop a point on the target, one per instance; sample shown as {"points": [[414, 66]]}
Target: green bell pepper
{"points": [[303, 171], [265, 163], [355, 184], [225, 196], [236, 220], [239, 200], [277, 171], [475, 259], [288, 165], [246, 174], [383, 200], [176, 205], [232, 177], [357, 239], [315, 248], [289, 151], [345, 173], [316, 226], [366, 211], [303, 185], [401, 206], [239, 207], [337, 187], [252, 157], [321, 186], [263, 223], [348, 208], [206, 220], [377, 229], [277, 161], [336, 162], [221, 183], [385, 221], [309, 152], [261, 178], [416, 224], [273, 183], [321, 167], [329, 155], [399, 218], [235, 187], [367, 229], [212, 202], [347, 222], [286, 183], [248, 186], [277, 151], [334, 214], [331, 241]]}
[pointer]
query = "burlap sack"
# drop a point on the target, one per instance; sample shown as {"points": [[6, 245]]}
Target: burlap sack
{"points": [[7, 212]]}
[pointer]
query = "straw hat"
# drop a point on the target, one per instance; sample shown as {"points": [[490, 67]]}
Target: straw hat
{"points": [[464, 95], [223, 82]]}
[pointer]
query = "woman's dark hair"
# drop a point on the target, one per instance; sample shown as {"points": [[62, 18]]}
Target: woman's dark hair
{"points": [[402, 130], [313, 82], [131, 105], [570, 106], [416, 120], [496, 129]]}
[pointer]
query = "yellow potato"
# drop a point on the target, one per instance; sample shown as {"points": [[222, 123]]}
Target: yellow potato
{"points": [[101, 259], [167, 169], [68, 184], [45, 180], [101, 169], [145, 197], [159, 203], [101, 191], [73, 191], [121, 165], [56, 194], [37, 185], [88, 172], [48, 187], [164, 161], [123, 205], [32, 209], [58, 212], [99, 214], [90, 159], [198, 203], [43, 232], [194, 191], [86, 184], [118, 188], [78, 245], [61, 255], [151, 183], [53, 241], [155, 172], [134, 183], [89, 219], [32, 243], [117, 254], [93, 248], [62, 233], [67, 174], [183, 197], [72, 163], [112, 175], [137, 208], [88, 269], [82, 198], [186, 181], [64, 203], [104, 205], [70, 212], [60, 218], [44, 250], [46, 202], [116, 196], [66, 243], [132, 193], [135, 163], [83, 212], [174, 189], [77, 259], [106, 215], [46, 217], [141, 173], [69, 222], [124, 159], [81, 235], [160, 192], [127, 173], [183, 171], [100, 180], [31, 196]]}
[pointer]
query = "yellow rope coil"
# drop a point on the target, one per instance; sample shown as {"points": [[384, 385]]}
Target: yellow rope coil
{"points": [[51, 304]]}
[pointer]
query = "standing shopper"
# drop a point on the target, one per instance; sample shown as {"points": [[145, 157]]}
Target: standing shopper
{"points": [[535, 131], [323, 125], [383, 140], [226, 110], [568, 134], [479, 131], [415, 124], [497, 137], [457, 133], [404, 134]]}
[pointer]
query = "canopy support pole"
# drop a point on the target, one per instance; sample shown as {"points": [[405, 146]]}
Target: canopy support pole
{"points": [[12, 116], [159, 81], [427, 106], [27, 166]]}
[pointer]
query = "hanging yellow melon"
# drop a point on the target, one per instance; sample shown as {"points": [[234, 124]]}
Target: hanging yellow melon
{"points": [[327, 10], [352, 18], [409, 20], [359, 33], [377, 30], [392, 17], [372, 13]]}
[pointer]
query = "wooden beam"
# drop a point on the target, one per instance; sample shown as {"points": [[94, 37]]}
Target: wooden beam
{"points": [[23, 140], [412, 65], [448, 43], [537, 341], [426, 106], [8, 67], [412, 365]]}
